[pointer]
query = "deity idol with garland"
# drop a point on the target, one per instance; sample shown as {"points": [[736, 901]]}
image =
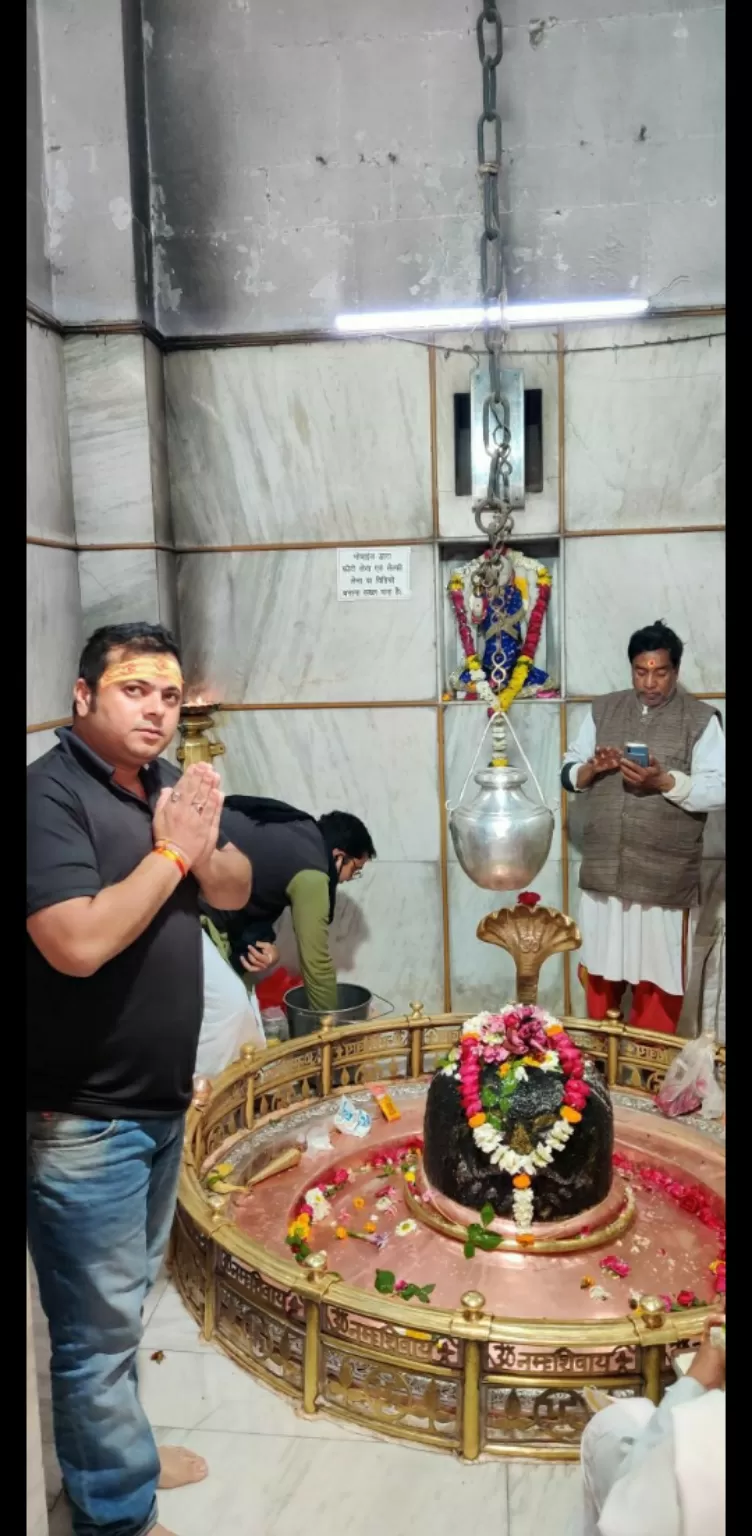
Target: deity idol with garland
{"points": [[518, 1120], [499, 627]]}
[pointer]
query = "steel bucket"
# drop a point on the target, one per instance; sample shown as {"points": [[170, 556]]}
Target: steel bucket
{"points": [[353, 1003]]}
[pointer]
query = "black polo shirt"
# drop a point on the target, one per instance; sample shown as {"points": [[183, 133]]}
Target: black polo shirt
{"points": [[120, 1044]]}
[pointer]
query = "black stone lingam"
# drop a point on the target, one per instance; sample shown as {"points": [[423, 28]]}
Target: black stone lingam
{"points": [[579, 1176]]}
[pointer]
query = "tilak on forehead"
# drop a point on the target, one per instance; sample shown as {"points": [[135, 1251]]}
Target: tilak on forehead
{"points": [[156, 667]]}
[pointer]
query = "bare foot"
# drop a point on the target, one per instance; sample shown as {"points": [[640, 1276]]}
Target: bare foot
{"points": [[179, 1467]]}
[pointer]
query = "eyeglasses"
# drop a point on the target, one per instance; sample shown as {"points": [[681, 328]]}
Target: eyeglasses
{"points": [[343, 863]]}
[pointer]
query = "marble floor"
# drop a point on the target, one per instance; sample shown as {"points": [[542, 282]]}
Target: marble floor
{"points": [[274, 1474]]}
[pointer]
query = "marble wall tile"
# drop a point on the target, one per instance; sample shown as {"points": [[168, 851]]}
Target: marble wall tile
{"points": [[267, 627], [534, 352], [614, 585], [156, 412], [573, 910], [37, 743], [167, 591], [381, 764], [536, 724], [483, 974], [118, 586], [286, 443], [387, 934], [53, 631], [49, 493], [705, 999], [110, 439], [645, 427]]}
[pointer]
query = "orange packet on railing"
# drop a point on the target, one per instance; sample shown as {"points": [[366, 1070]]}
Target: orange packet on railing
{"points": [[386, 1104]]}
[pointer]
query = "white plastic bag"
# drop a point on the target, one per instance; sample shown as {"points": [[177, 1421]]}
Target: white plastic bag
{"points": [[690, 1083]]}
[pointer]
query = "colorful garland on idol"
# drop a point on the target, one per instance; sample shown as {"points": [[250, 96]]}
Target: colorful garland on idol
{"points": [[480, 681], [516, 1041]]}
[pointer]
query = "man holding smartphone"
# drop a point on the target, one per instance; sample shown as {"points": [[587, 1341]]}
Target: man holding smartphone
{"points": [[653, 763]]}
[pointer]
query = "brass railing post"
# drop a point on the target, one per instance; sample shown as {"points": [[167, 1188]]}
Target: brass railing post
{"points": [[326, 1057], [612, 1047], [653, 1312], [416, 1040], [247, 1052], [472, 1306], [210, 1281], [315, 1267]]}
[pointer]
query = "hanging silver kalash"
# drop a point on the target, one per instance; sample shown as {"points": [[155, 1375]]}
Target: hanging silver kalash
{"points": [[502, 838]]}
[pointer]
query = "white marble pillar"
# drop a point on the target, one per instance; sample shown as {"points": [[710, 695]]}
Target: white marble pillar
{"points": [[36, 1503]]}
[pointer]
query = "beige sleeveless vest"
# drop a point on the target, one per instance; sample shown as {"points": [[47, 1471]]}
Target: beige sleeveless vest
{"points": [[641, 847]]}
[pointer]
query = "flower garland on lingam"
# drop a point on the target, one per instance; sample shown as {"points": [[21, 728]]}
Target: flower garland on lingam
{"points": [[498, 618], [518, 1040]]}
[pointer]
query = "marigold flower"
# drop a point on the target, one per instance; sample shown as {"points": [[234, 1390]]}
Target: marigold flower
{"points": [[476, 1120], [359, 1202], [340, 1232], [521, 1181], [572, 1115]]}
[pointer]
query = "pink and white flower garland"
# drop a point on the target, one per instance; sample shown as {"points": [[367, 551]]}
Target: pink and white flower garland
{"points": [[518, 1039]]}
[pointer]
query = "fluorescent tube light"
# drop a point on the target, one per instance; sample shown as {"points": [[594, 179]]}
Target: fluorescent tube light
{"points": [[468, 317]]}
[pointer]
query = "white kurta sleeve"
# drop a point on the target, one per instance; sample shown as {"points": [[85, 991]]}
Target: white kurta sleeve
{"points": [[704, 787], [645, 1498], [582, 747]]}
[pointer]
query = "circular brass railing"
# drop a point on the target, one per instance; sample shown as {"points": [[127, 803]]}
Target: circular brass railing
{"points": [[467, 1381]]}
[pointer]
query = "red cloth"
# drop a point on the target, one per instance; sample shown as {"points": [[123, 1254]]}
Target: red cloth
{"points": [[651, 1007], [270, 992]]}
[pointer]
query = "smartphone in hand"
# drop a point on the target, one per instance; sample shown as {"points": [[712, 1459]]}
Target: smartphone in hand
{"points": [[638, 752]]}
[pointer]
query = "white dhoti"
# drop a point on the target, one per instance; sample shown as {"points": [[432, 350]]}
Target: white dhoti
{"points": [[231, 1015], [623, 941]]}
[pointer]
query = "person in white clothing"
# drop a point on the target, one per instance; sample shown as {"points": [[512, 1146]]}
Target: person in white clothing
{"points": [[661, 1471], [231, 1013], [642, 850]]}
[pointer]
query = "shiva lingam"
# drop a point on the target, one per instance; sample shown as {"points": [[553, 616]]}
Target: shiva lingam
{"points": [[530, 934], [196, 722]]}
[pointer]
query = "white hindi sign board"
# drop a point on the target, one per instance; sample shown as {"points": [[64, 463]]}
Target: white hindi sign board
{"points": [[370, 574]]}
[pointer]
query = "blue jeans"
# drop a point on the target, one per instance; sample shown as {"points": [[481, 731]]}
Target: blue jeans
{"points": [[100, 1205]]}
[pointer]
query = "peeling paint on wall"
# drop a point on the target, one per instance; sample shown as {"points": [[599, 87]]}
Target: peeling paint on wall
{"points": [[307, 158], [169, 298], [120, 212]]}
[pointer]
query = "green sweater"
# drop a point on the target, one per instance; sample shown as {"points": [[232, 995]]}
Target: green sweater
{"points": [[308, 894]]}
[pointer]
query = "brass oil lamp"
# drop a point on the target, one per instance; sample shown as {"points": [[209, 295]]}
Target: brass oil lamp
{"points": [[198, 739]]}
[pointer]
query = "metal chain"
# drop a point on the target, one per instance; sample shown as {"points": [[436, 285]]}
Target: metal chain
{"points": [[496, 434]]}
